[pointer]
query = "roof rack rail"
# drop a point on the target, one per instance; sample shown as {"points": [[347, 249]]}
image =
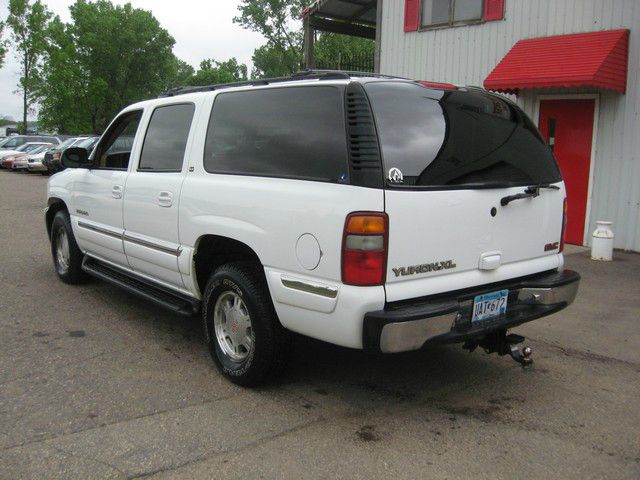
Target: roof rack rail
{"points": [[301, 75]]}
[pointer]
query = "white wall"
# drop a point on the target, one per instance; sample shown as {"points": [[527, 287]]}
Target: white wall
{"points": [[466, 55]]}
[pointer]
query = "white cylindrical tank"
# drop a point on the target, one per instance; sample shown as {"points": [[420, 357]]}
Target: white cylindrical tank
{"points": [[602, 244]]}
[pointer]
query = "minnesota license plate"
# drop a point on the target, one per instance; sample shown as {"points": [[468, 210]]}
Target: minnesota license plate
{"points": [[489, 305]]}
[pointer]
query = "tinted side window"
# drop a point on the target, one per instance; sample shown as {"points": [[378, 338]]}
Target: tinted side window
{"points": [[458, 138], [166, 139], [285, 132], [115, 149]]}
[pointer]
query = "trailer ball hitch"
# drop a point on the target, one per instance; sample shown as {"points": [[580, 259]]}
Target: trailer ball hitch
{"points": [[502, 344], [523, 357]]}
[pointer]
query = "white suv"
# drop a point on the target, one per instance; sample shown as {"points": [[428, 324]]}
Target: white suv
{"points": [[370, 212]]}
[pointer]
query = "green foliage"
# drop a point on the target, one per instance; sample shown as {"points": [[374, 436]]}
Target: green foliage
{"points": [[272, 19], [272, 61], [106, 58], [28, 25], [183, 72], [3, 45], [212, 72], [279, 22], [331, 47]]}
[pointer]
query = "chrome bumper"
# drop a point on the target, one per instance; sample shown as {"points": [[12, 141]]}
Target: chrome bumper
{"points": [[410, 327]]}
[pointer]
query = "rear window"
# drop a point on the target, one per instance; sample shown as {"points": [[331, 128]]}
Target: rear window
{"points": [[295, 132], [458, 139]]}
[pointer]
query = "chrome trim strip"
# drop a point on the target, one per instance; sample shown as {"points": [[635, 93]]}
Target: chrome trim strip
{"points": [[100, 230], [154, 246], [309, 287]]}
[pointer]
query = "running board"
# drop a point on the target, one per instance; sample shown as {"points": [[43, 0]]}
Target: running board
{"points": [[180, 304]]}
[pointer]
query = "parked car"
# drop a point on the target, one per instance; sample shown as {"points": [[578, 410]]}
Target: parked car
{"points": [[21, 162], [369, 212], [7, 156], [57, 151], [36, 165], [11, 143], [52, 158]]}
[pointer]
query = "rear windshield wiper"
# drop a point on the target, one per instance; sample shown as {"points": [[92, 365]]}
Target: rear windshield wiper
{"points": [[536, 188], [530, 192]]}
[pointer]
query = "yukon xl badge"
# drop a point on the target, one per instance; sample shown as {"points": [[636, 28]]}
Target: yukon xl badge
{"points": [[395, 175], [424, 268]]}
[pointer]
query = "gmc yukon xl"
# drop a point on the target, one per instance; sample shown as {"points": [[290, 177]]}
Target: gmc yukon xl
{"points": [[367, 211]]}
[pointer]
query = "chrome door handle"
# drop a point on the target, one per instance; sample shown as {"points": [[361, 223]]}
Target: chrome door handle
{"points": [[116, 191], [165, 199]]}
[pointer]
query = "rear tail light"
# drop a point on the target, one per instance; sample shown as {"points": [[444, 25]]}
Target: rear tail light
{"points": [[364, 248], [564, 225]]}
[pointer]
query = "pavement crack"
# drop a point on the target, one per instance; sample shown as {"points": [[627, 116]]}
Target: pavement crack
{"points": [[244, 448], [91, 459], [53, 438], [587, 355]]}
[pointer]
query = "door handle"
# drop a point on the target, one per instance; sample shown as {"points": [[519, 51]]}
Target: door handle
{"points": [[165, 199], [116, 191]]}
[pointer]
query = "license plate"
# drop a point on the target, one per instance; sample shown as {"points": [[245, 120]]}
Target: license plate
{"points": [[489, 305]]}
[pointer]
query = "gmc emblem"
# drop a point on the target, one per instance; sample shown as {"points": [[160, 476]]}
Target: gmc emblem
{"points": [[551, 246]]}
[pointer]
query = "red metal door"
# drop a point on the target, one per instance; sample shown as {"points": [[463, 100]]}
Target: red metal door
{"points": [[568, 127]]}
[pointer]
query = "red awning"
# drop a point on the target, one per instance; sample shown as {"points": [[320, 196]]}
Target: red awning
{"points": [[595, 59]]}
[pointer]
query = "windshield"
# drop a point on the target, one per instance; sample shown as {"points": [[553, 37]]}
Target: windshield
{"points": [[458, 138], [40, 149], [68, 142], [24, 147], [86, 143], [30, 147]]}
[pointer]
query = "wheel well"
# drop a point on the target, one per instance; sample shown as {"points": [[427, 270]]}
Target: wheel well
{"points": [[213, 251], [55, 205]]}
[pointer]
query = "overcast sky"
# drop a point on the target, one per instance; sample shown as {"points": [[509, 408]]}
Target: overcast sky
{"points": [[201, 28]]}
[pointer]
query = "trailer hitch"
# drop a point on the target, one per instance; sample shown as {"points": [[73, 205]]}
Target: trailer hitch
{"points": [[503, 344]]}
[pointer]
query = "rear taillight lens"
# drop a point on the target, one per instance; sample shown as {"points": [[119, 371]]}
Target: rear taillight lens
{"points": [[364, 248], [564, 225]]}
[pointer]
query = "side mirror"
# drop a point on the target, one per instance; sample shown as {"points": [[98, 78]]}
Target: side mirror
{"points": [[75, 157]]}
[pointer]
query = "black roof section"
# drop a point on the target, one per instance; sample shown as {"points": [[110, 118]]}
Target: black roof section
{"points": [[301, 75]]}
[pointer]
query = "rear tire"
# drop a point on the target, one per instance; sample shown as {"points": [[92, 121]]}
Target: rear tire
{"points": [[67, 256], [246, 340]]}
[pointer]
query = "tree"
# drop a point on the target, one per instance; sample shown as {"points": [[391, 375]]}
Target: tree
{"points": [[271, 61], [183, 72], [28, 26], [333, 50], [212, 72], [106, 58], [279, 22], [3, 49]]}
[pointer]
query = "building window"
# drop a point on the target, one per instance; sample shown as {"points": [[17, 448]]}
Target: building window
{"points": [[437, 13]]}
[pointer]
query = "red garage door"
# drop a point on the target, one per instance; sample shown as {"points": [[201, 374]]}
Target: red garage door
{"points": [[568, 127]]}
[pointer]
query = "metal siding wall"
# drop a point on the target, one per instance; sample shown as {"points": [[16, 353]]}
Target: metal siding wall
{"points": [[466, 55]]}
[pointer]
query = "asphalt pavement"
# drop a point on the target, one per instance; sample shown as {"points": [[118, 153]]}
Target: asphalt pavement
{"points": [[96, 383]]}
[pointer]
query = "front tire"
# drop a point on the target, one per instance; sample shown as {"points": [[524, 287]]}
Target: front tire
{"points": [[67, 256], [246, 341]]}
